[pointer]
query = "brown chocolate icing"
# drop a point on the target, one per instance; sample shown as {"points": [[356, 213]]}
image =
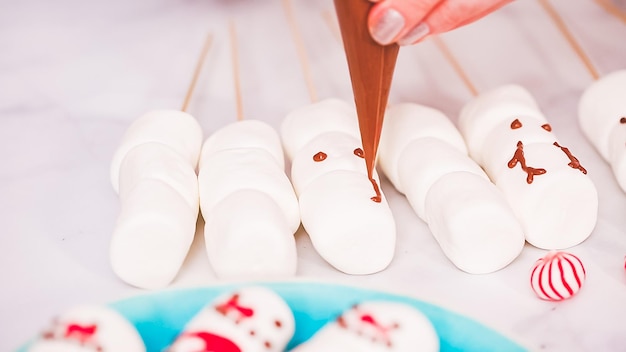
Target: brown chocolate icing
{"points": [[518, 157], [574, 163], [547, 127], [516, 124], [358, 152], [623, 120], [371, 68], [319, 156]]}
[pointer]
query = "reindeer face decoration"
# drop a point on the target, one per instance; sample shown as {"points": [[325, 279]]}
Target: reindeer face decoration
{"points": [[376, 326], [89, 329], [252, 319]]}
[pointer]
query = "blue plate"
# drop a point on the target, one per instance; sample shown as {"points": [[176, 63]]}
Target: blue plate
{"points": [[159, 317]]}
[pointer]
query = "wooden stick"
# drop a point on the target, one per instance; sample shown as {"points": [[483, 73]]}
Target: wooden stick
{"points": [[236, 75], [612, 9], [558, 21], [455, 64], [331, 21], [300, 48], [196, 73]]}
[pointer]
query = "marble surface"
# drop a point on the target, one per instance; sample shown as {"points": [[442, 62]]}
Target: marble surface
{"points": [[74, 75]]}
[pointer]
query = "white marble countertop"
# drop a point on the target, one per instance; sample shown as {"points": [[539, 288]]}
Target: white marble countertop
{"points": [[74, 75]]}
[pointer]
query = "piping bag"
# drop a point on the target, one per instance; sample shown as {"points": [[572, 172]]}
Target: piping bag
{"points": [[371, 67]]}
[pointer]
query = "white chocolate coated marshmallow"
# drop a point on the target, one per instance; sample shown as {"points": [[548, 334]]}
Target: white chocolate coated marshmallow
{"points": [[305, 123], [152, 236], [157, 161], [407, 122], [474, 225], [229, 170], [481, 115], [375, 326], [89, 328], [339, 152], [176, 129], [244, 134], [558, 207], [449, 191], [347, 228], [248, 237], [425, 160], [504, 137], [252, 318]]}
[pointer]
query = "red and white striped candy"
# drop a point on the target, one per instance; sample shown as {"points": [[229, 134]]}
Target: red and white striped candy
{"points": [[557, 276]]}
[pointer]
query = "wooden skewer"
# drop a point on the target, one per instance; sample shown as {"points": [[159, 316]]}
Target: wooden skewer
{"points": [[196, 73], [558, 21], [331, 21], [455, 64], [236, 75], [612, 9], [302, 55]]}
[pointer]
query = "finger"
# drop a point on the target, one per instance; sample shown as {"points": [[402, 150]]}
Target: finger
{"points": [[449, 15], [454, 14], [390, 20]]}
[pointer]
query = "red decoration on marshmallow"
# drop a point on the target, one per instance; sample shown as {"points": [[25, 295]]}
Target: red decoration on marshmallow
{"points": [[557, 276]]}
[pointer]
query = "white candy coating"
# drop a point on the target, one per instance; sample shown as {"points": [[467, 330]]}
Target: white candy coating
{"points": [[89, 328], [473, 223], [229, 170], [159, 162], [252, 318], [407, 122], [502, 141], [176, 129], [559, 208], [305, 123], [152, 236], [339, 149], [600, 109], [422, 162], [481, 115], [248, 237], [244, 134], [350, 231], [376, 326], [557, 276]]}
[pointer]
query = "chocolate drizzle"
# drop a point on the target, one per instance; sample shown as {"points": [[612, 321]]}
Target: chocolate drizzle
{"points": [[547, 127], [518, 157], [574, 163], [371, 67], [516, 124]]}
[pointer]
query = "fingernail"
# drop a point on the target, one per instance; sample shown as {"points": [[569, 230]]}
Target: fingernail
{"points": [[387, 27], [418, 32]]}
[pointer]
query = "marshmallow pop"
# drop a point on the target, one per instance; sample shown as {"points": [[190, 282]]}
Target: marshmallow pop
{"points": [[248, 204], [89, 329], [543, 181], [349, 226], [424, 156]]}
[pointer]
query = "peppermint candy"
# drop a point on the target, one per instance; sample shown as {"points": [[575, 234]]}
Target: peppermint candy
{"points": [[557, 276]]}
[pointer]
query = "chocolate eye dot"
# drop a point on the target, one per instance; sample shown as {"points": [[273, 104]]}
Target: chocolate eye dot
{"points": [[278, 323], [268, 344], [320, 156], [516, 124], [252, 333], [359, 152], [623, 120], [547, 127]]}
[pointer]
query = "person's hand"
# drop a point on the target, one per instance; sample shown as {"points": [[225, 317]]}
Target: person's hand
{"points": [[410, 21]]}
